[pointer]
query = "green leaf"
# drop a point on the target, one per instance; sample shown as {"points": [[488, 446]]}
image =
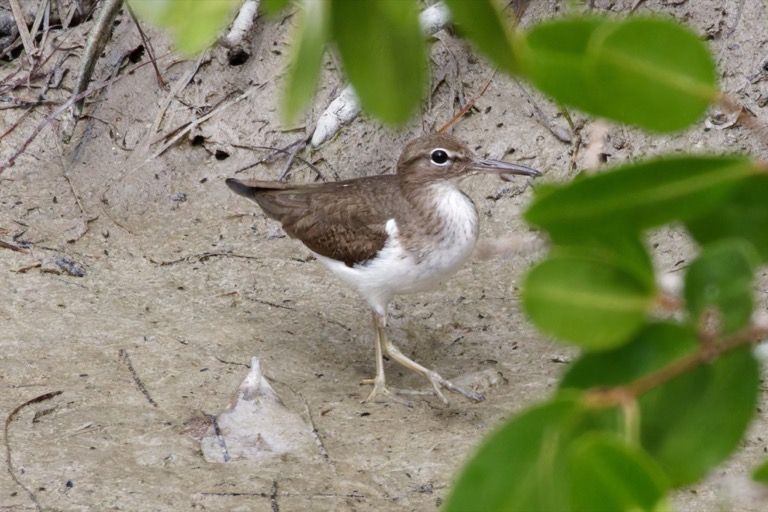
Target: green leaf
{"points": [[626, 250], [688, 424], [555, 60], [649, 72], [272, 7], [761, 473], [308, 48], [656, 74], [383, 53], [653, 347], [639, 196], [483, 23], [620, 248], [193, 23], [554, 456], [606, 474], [586, 299], [520, 467], [151, 10], [695, 421], [721, 278], [744, 215]]}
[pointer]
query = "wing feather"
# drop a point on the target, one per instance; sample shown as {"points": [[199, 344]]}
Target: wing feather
{"points": [[343, 220]]}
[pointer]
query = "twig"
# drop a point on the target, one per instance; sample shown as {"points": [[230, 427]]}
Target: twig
{"points": [[202, 256], [16, 154], [16, 102], [81, 145], [285, 151], [127, 360], [297, 146], [273, 497], [470, 104], [754, 125], [234, 494], [40, 16], [183, 128], [519, 6], [707, 352], [148, 45], [75, 157], [6, 245], [219, 438], [559, 133], [519, 11], [24, 270], [635, 6], [9, 86], [6, 436], [200, 120], [577, 139], [320, 445], [54, 77], [97, 40], [64, 106], [21, 24], [177, 88], [16, 123]]}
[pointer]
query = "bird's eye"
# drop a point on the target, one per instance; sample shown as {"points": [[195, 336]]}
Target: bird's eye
{"points": [[439, 157]]}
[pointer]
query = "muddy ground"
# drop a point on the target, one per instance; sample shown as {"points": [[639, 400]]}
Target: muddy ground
{"points": [[184, 282]]}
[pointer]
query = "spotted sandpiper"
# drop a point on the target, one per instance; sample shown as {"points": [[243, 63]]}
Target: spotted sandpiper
{"points": [[390, 234]]}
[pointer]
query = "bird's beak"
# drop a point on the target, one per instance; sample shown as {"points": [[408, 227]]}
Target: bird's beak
{"points": [[485, 165]]}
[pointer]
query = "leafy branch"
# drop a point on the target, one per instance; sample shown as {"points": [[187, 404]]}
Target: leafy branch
{"points": [[710, 349]]}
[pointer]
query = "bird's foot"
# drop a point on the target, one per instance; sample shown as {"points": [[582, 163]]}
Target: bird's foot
{"points": [[439, 382], [380, 388]]}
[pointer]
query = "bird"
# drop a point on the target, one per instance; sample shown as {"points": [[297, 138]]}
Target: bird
{"points": [[390, 234]]}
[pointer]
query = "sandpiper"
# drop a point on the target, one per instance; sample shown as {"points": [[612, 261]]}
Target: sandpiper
{"points": [[389, 235]]}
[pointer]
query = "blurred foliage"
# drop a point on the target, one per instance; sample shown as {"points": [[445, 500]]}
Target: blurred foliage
{"points": [[649, 72], [193, 23]]}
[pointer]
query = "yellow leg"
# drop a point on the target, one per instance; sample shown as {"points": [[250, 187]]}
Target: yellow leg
{"points": [[379, 382], [386, 347], [432, 376]]}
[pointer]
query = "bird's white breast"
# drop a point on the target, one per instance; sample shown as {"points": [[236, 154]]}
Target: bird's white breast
{"points": [[396, 270]]}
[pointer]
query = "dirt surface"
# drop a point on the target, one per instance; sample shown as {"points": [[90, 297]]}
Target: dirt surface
{"points": [[184, 283]]}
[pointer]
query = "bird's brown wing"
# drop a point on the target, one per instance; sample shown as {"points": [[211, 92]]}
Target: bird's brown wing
{"points": [[345, 220]]}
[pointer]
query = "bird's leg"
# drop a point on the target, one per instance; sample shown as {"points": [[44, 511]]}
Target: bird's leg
{"points": [[379, 382], [385, 347], [437, 381]]}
